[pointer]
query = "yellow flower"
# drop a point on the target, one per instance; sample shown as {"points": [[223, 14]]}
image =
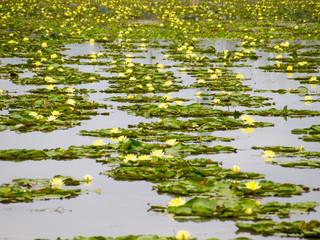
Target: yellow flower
{"points": [[114, 130], [313, 78], [268, 154], [239, 76], [248, 119], [34, 114], [171, 142], [87, 177], [130, 157], [160, 65], [177, 202], [214, 76], [1, 91], [56, 182], [37, 64], [49, 79], [122, 138], [235, 169], [144, 157], [307, 98], [183, 235], [70, 90], [51, 118], [55, 113], [216, 101], [179, 103], [162, 105], [296, 27], [44, 45], [289, 68], [253, 185], [71, 102], [301, 148], [248, 211], [158, 153], [201, 80], [199, 94], [98, 142], [53, 56], [168, 83]]}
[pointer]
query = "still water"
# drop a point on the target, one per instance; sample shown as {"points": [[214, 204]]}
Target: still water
{"points": [[122, 207]]}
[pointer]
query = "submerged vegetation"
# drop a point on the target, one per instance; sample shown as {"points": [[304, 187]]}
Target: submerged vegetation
{"points": [[159, 61]]}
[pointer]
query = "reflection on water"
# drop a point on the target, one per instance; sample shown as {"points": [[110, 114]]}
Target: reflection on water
{"points": [[122, 207]]}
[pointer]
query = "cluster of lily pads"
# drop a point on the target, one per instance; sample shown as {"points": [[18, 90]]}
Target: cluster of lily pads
{"points": [[38, 35]]}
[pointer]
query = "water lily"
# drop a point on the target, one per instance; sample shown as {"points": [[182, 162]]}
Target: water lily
{"points": [[183, 235], [201, 80], [178, 103], [122, 138], [51, 118], [289, 68], [98, 142], [49, 79], [70, 90], [253, 185], [247, 119], [162, 105], [130, 157], [158, 153], [248, 211], [168, 83], [235, 169], [44, 45], [312, 78], [33, 114], [268, 154], [53, 56], [50, 87], [171, 142], [216, 101], [56, 182], [87, 177], [301, 148], [114, 130], [239, 76], [71, 102], [177, 202], [199, 94], [144, 157]]}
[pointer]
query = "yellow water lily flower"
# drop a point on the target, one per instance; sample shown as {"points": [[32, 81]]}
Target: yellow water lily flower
{"points": [[70, 90], [56, 182], [122, 138], [253, 185], [268, 154], [71, 102], [44, 45], [130, 157], [51, 118], [289, 68], [201, 80], [239, 76], [171, 142], [87, 177], [34, 114], [55, 113], [312, 78], [248, 211], [98, 142], [199, 94], [301, 148], [183, 235], [114, 130], [248, 119], [162, 105], [53, 56], [168, 83], [177, 202], [144, 157], [49, 79], [50, 87], [178, 103], [158, 153], [216, 101], [235, 169]]}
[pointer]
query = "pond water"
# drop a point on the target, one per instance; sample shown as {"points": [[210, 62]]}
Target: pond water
{"points": [[122, 207]]}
